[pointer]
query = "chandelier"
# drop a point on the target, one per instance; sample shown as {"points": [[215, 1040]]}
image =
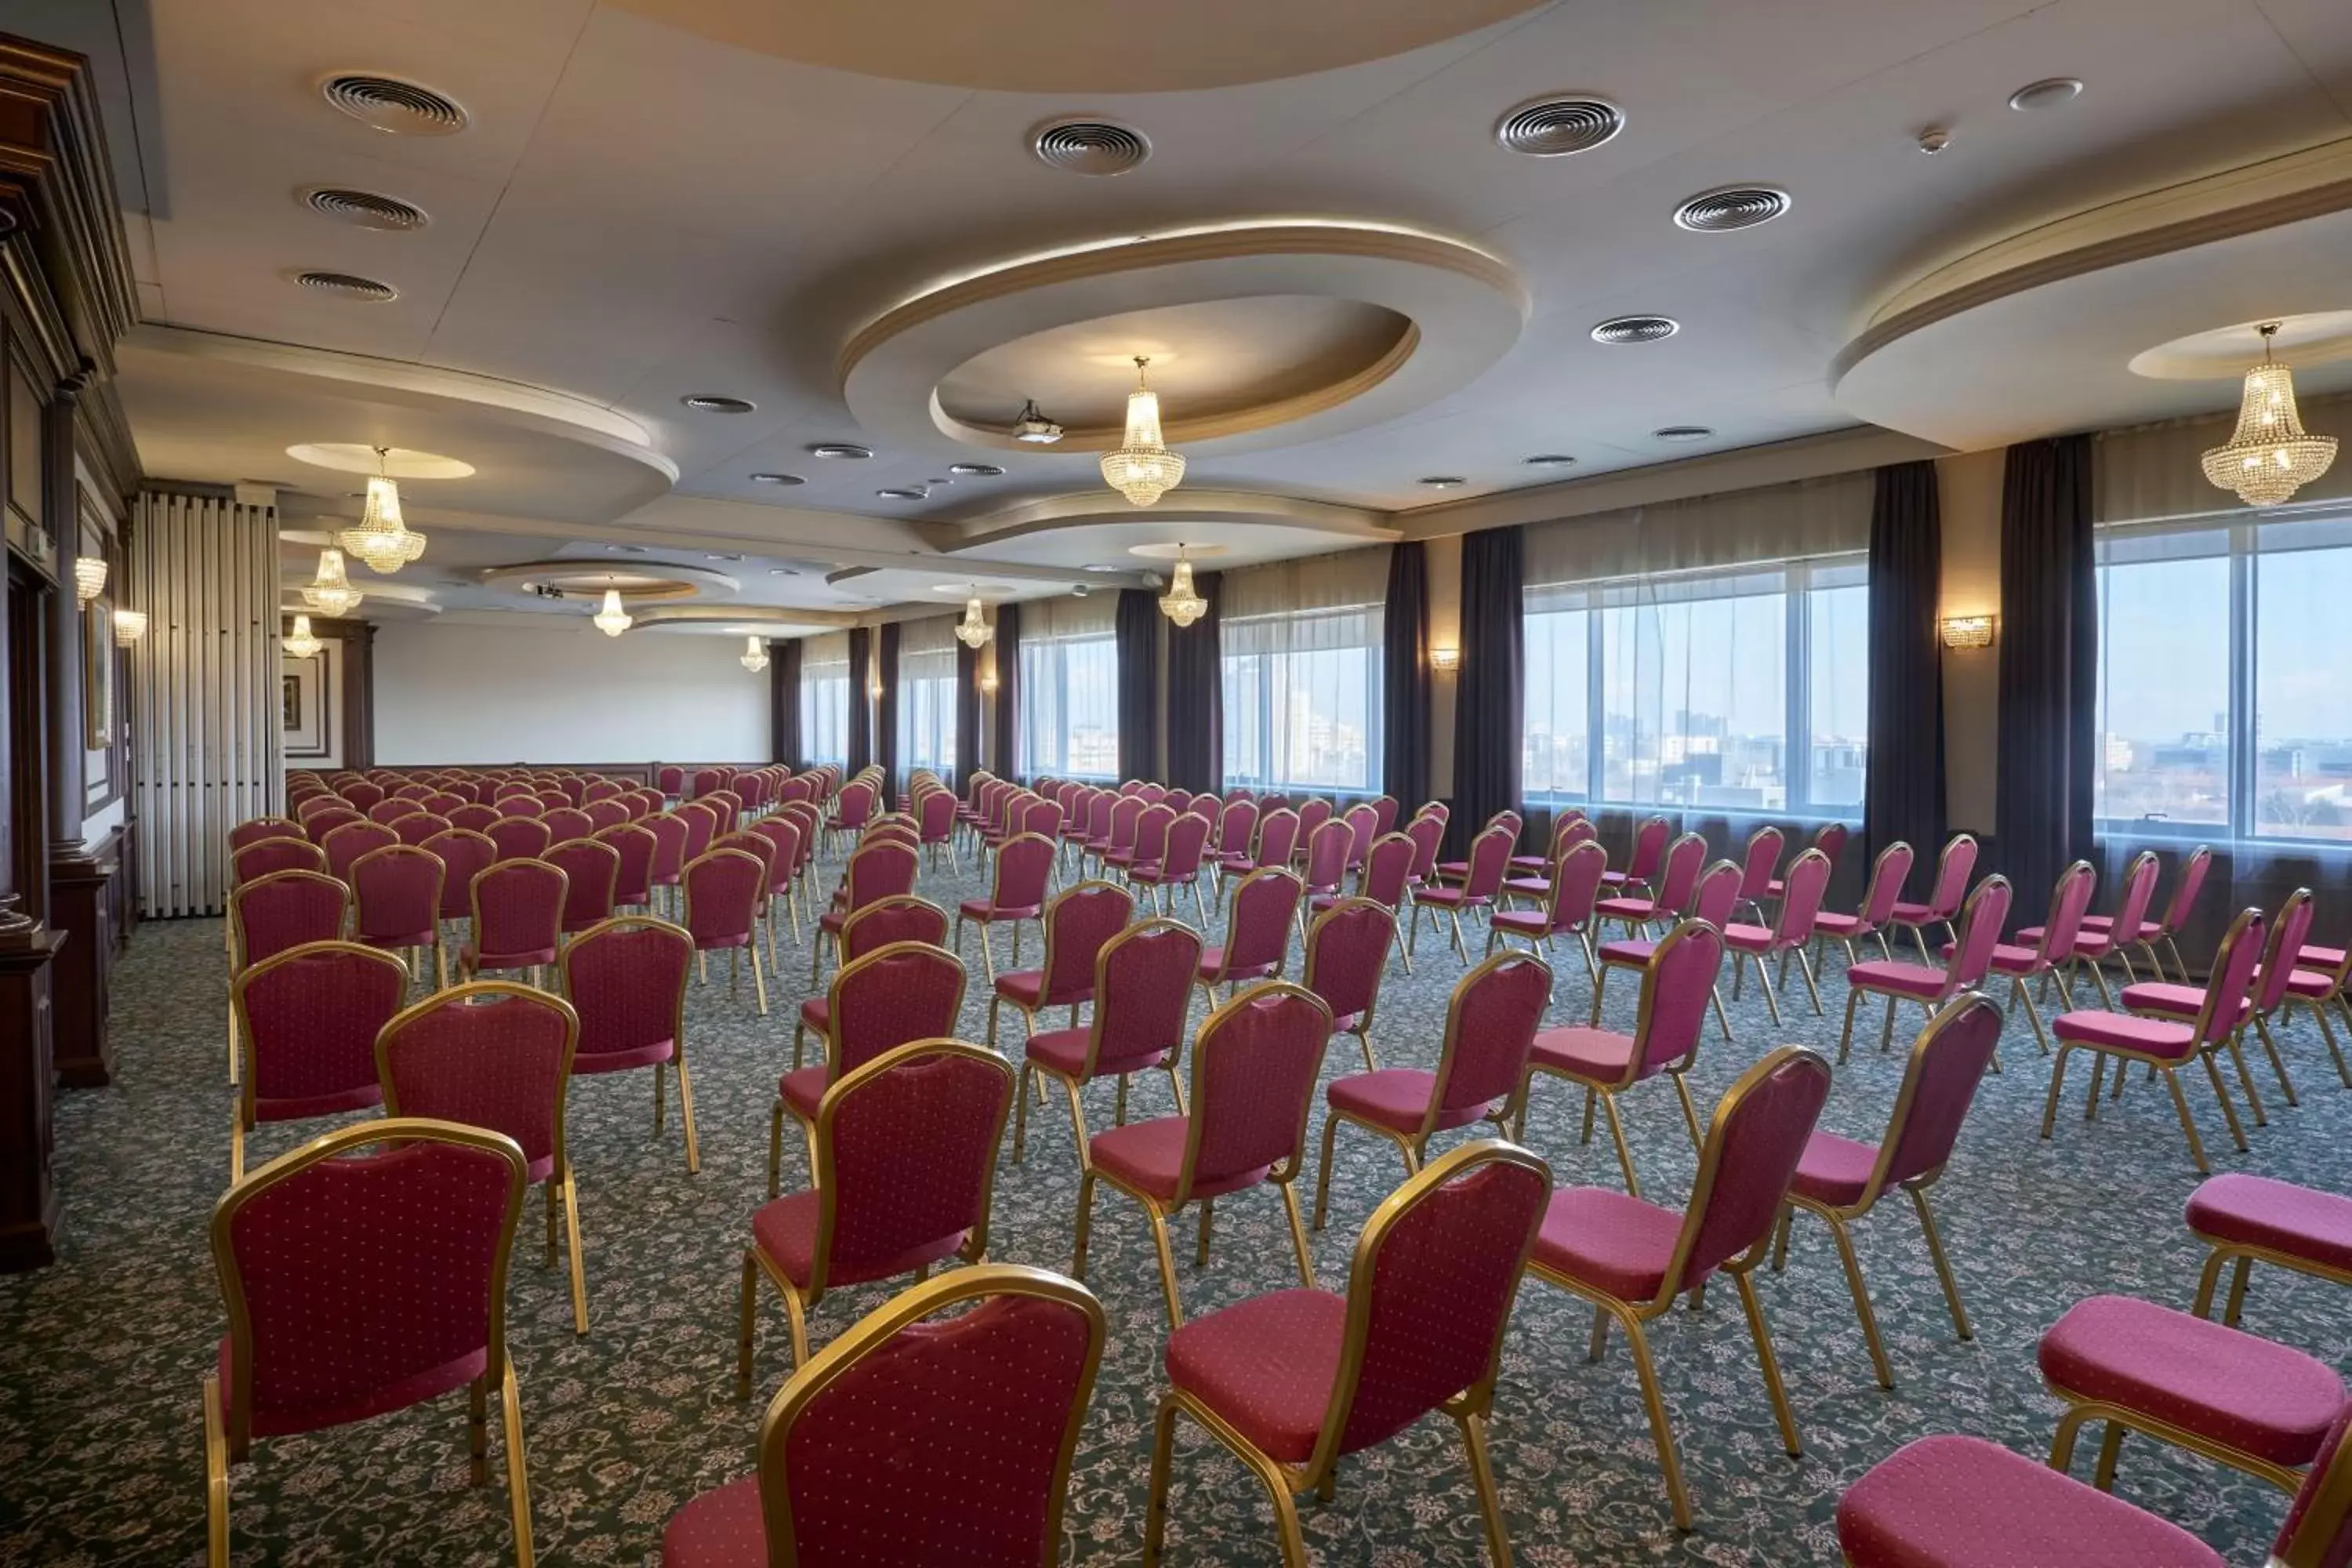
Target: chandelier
{"points": [[379, 538], [1143, 468], [330, 593], [973, 630], [90, 577], [613, 620], [753, 658], [2268, 458], [301, 645], [1181, 603]]}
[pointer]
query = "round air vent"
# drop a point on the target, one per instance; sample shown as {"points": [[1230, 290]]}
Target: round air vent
{"points": [[2047, 93], [396, 107], [1682, 433], [1091, 146], [713, 403], [778, 480], [1619, 330], [365, 209], [1732, 207], [840, 449], [1555, 127], [348, 286], [976, 470], [1443, 481], [904, 493], [1549, 460]]}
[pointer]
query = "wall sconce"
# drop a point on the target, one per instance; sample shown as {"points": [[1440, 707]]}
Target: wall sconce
{"points": [[130, 625], [988, 683], [1445, 658], [1966, 631]]}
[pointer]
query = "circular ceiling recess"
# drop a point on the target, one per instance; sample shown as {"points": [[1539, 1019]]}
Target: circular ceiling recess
{"points": [[1621, 331], [359, 458], [2318, 337], [396, 107], [1555, 127], [365, 209], [1089, 146], [1730, 209], [587, 580], [1044, 46]]}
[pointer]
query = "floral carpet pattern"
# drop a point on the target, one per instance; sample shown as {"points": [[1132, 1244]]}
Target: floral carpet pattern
{"points": [[101, 1355]]}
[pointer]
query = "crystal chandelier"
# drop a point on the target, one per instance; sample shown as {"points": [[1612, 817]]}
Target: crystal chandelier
{"points": [[130, 625], [1143, 468], [330, 593], [753, 658], [90, 577], [613, 620], [973, 630], [2268, 458], [301, 645], [379, 538], [1181, 604]]}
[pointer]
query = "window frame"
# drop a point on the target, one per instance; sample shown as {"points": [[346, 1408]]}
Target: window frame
{"points": [[1057, 647]]}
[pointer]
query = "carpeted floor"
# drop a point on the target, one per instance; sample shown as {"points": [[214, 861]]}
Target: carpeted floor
{"points": [[101, 1356]]}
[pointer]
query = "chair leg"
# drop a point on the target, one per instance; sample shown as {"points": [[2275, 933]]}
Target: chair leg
{"points": [[1690, 1113], [776, 1149], [1155, 1507], [1804, 973], [1617, 1131], [758, 981], [1020, 1098], [2245, 1077], [2189, 1123], [1764, 983], [2238, 1277], [1078, 1121], [2278, 1063], [2328, 1033], [2057, 1082], [2222, 1093], [571, 1233], [1086, 1225], [1886, 1030], [2206, 1282], [1845, 1036], [1323, 1175], [686, 1116], [1298, 1233], [1722, 1021], [1943, 1264], [747, 1324], [1490, 1505], [1660, 1429], [1769, 1363], [1600, 985], [1167, 1266], [215, 1477], [2033, 1014], [1861, 1301], [517, 1471]]}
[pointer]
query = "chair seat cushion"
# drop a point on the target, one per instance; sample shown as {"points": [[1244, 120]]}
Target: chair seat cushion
{"points": [[621, 1060], [1608, 1240], [2162, 997], [1776, 889], [1900, 979], [802, 1089], [1265, 1365], [1748, 938], [1530, 863], [1212, 967], [300, 1108], [1453, 869], [721, 1529], [1828, 922], [1022, 985], [981, 910], [831, 921], [1447, 898], [1594, 1055], [2010, 959], [1908, 914], [2101, 925], [478, 961], [1962, 1502], [414, 1389], [2320, 957], [1633, 953], [1522, 922], [1834, 1171], [1394, 1097], [1635, 910], [2311, 984], [1065, 1051], [395, 940], [817, 1013], [784, 1230], [1149, 1156], [1528, 886], [2278, 1216], [2118, 1031], [2222, 1384]]}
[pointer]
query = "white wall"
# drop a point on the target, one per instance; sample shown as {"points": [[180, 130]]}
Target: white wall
{"points": [[457, 693]]}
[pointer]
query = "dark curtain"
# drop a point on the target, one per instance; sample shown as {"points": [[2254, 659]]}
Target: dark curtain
{"points": [[1405, 677], [1139, 684], [967, 733], [1903, 798], [1003, 754], [1196, 697], [861, 699], [784, 703], [2049, 659], [1489, 697], [885, 708]]}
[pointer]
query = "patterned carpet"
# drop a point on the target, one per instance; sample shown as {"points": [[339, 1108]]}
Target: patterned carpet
{"points": [[101, 1356]]}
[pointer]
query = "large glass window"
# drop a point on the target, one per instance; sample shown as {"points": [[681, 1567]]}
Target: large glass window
{"points": [[825, 709], [1069, 707], [927, 721], [1302, 700]]}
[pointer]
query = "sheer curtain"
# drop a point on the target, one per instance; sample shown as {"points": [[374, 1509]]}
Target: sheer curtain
{"points": [[1067, 715], [824, 699], [927, 695], [1302, 644]]}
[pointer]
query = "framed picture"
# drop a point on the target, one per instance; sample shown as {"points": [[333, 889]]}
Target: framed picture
{"points": [[303, 697], [98, 673]]}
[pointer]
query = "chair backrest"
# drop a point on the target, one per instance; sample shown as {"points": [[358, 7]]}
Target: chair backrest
{"points": [[783, 835], [1717, 893], [364, 793], [1187, 840], [1255, 1064], [1126, 815], [670, 779], [397, 893], [638, 847], [352, 840], [1386, 866], [2184, 893], [906, 991], [465, 855], [701, 820], [1234, 826], [880, 871], [2289, 931], [2232, 977], [902, 917], [1277, 837], [418, 826], [351, 1281], [1802, 892], [488, 1054], [1677, 985], [307, 1022], [283, 909], [992, 1397], [1427, 831], [1151, 833], [1938, 1085], [1363, 820], [1982, 919], [392, 809], [1430, 1291], [1830, 841], [565, 822], [1489, 861], [2138, 893], [518, 907], [1760, 863], [2318, 1528], [2070, 900], [1384, 816], [1347, 953], [520, 837], [264, 856], [328, 819], [521, 805], [1490, 1022], [1648, 849], [1099, 808], [936, 813], [604, 814], [1326, 855], [1039, 816], [1143, 987], [1313, 813], [1753, 1143], [1954, 867], [245, 835], [592, 873], [626, 979], [723, 889], [1081, 918], [475, 818], [1576, 875], [1887, 875], [1685, 859], [1265, 902]]}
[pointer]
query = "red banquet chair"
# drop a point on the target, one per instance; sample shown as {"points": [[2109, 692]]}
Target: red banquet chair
{"points": [[352, 840], [1830, 838], [1633, 1260], [259, 830], [364, 793], [1677, 881], [464, 855], [358, 1284], [626, 978], [277, 911], [991, 1395], [396, 903], [633, 883], [1178, 867], [1325, 868], [476, 818], [904, 918], [1954, 867], [1887, 875], [518, 919], [1787, 937], [1490, 857], [903, 992], [701, 820], [902, 1154], [1344, 960], [1016, 894], [418, 826], [723, 890], [1978, 934], [1273, 837], [1291, 1382], [1570, 894], [1568, 829], [1649, 851], [1142, 989], [2094, 947], [565, 822], [1490, 1021], [2159, 999], [1079, 921], [495, 1055], [387, 812], [2250, 1219], [1257, 934], [520, 837], [591, 875], [306, 1021], [604, 814], [669, 849], [1255, 1064], [878, 870], [783, 835], [264, 855], [1711, 898], [1842, 1179]]}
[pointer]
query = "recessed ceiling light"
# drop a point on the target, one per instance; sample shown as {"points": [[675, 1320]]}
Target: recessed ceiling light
{"points": [[1443, 481], [1089, 146], [1732, 208], [2047, 93], [939, 481], [780, 571], [976, 470], [1619, 331], [349, 286], [1555, 127], [903, 492], [714, 555], [627, 549], [364, 209], [394, 106], [1682, 433], [840, 449], [778, 480], [714, 403], [1548, 460], [1098, 567]]}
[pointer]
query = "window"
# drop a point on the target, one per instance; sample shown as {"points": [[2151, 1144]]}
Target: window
{"points": [[927, 695], [1739, 690], [2222, 705], [1069, 706], [825, 699], [1302, 700]]}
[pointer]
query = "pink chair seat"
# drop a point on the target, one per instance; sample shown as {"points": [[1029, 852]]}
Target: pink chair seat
{"points": [[280, 1421], [1394, 1097], [1962, 1502], [1520, 923], [1609, 1240], [1599, 1054], [804, 1089], [1903, 979], [832, 920], [1830, 922], [1454, 870], [400, 939], [2310, 984], [2220, 1383], [720, 1529], [2008, 959], [2159, 996], [1626, 908], [1149, 1156], [981, 910], [1775, 888], [1455, 898], [2151, 1037], [297, 1108], [1748, 938], [1322, 901], [2323, 957], [1833, 1169], [1022, 985], [1530, 863], [1065, 1050], [642, 1056], [1212, 967], [1265, 1365], [1236, 861], [1633, 951], [2278, 1216], [2098, 925], [1531, 887], [785, 1230], [476, 960], [1908, 913], [817, 1013]]}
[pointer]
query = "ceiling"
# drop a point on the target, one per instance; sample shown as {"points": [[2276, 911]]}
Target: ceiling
{"points": [[654, 199]]}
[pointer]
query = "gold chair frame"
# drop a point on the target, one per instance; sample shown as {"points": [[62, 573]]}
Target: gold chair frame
{"points": [[988, 954], [1541, 945], [465, 971], [235, 923], [831, 1049], [243, 1113], [751, 938], [1856, 990], [997, 999], [402, 851], [1363, 1030], [1073, 1088], [677, 1024], [1796, 950]]}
